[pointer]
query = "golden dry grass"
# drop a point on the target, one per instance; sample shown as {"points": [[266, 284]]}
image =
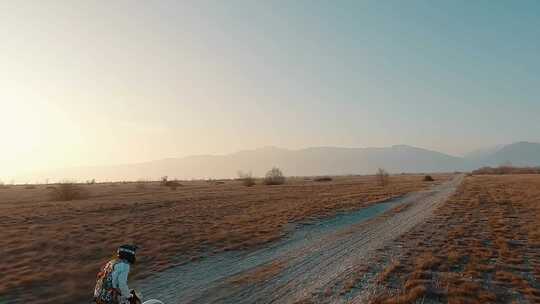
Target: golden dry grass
{"points": [[355, 277], [483, 246], [56, 248]]}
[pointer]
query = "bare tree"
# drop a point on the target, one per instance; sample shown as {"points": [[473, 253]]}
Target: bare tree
{"points": [[383, 178], [274, 177]]}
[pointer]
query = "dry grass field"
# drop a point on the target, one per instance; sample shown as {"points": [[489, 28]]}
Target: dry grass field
{"points": [[483, 246], [51, 250]]}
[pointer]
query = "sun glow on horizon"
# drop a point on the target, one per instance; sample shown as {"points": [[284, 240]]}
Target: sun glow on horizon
{"points": [[100, 83]]}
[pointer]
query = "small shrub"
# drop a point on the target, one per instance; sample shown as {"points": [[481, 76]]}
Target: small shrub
{"points": [[323, 179], [172, 184], [91, 181], [66, 191], [428, 178], [274, 177], [29, 187], [383, 178], [246, 178]]}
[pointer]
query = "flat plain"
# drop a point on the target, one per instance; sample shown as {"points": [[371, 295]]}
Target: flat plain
{"points": [[52, 250], [477, 241]]}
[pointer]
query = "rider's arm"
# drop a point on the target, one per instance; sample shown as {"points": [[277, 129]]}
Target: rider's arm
{"points": [[121, 276]]}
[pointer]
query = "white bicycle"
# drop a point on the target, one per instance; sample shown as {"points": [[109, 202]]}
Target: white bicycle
{"points": [[137, 299]]}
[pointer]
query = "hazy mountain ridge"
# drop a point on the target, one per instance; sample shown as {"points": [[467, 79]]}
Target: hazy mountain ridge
{"points": [[518, 154], [483, 152], [304, 162]]}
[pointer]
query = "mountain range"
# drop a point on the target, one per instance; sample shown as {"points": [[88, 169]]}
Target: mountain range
{"points": [[306, 162]]}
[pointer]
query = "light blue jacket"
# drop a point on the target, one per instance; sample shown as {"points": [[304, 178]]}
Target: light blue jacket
{"points": [[119, 280]]}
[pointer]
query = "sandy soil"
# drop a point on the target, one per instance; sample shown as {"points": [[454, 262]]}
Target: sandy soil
{"points": [[51, 251], [483, 246]]}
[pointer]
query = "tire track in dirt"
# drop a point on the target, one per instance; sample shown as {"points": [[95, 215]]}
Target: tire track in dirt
{"points": [[311, 272]]}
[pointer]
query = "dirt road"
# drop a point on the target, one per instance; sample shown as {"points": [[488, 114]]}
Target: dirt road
{"points": [[322, 266]]}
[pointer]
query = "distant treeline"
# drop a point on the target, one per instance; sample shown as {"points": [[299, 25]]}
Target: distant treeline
{"points": [[507, 170]]}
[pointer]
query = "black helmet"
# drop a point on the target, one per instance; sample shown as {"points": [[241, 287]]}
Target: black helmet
{"points": [[127, 252]]}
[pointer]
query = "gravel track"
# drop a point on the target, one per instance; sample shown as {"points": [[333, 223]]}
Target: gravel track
{"points": [[314, 272]]}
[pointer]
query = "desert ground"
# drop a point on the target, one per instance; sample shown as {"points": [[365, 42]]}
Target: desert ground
{"points": [[51, 250]]}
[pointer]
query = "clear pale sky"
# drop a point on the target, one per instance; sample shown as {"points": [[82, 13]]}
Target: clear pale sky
{"points": [[108, 82]]}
